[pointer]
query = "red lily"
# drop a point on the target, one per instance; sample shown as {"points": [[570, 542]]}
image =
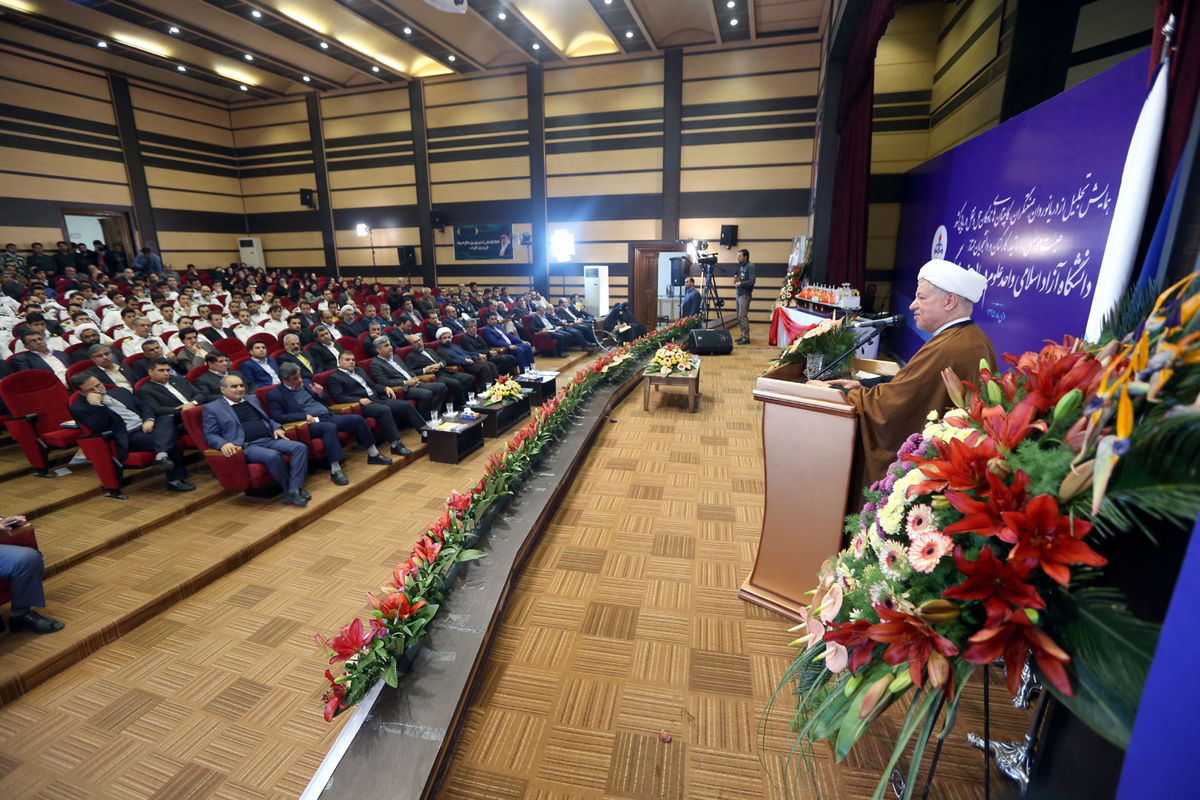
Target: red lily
{"points": [[426, 550], [1055, 371], [458, 501], [983, 516], [400, 575], [910, 639], [395, 606], [1001, 585], [1053, 541], [349, 642], [1009, 429], [333, 697], [1015, 639], [958, 466], [852, 636]]}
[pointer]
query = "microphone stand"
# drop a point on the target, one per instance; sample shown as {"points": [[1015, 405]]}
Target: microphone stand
{"points": [[863, 342]]}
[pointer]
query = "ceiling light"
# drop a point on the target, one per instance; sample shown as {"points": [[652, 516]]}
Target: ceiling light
{"points": [[733, 22], [608, 2], [502, 16], [141, 44], [374, 69], [324, 45], [628, 34], [244, 88], [102, 43], [173, 30], [248, 57], [256, 14], [730, 4], [537, 46], [407, 31], [305, 78], [451, 57], [181, 68]]}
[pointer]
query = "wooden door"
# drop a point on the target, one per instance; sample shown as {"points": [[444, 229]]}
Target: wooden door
{"points": [[643, 279]]}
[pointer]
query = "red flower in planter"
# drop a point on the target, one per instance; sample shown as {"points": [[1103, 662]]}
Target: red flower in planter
{"points": [[349, 642], [984, 516], [426, 550], [958, 465], [1009, 429], [333, 697], [852, 636], [1014, 639], [459, 502], [395, 606], [1050, 540], [1001, 585], [910, 639]]}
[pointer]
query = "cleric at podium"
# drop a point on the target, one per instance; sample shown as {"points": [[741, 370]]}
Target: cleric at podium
{"points": [[890, 410]]}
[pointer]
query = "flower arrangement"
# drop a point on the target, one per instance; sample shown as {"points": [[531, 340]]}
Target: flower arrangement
{"points": [[503, 389], [986, 539], [409, 601], [828, 338], [671, 358]]}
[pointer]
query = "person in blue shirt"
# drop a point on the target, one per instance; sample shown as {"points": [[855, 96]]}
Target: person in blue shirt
{"points": [[691, 299], [147, 262], [474, 363]]}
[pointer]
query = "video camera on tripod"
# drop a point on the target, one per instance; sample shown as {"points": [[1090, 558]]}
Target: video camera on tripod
{"points": [[697, 251]]}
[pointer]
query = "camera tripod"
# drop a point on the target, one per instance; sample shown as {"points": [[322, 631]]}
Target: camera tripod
{"points": [[709, 299]]}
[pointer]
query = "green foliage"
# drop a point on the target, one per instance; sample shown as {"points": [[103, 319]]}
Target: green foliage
{"points": [[1046, 468], [1133, 307]]}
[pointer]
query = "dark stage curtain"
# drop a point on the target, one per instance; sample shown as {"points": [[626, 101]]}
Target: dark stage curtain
{"points": [[848, 225], [1183, 81]]}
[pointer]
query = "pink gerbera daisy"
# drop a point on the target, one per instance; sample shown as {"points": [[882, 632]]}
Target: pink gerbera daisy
{"points": [[859, 545], [920, 519], [927, 549], [891, 560]]}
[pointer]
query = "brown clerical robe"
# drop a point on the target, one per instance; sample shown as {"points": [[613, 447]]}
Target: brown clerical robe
{"points": [[888, 413]]}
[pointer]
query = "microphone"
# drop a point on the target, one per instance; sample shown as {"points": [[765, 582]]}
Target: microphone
{"points": [[885, 322]]}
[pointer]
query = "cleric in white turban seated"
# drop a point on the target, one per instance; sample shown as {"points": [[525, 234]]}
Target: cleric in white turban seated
{"points": [[889, 411]]}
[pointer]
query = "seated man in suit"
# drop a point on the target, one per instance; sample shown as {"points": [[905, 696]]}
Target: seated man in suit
{"points": [[563, 338], [261, 369], [296, 325], [388, 370], [572, 320], [350, 325], [472, 342], [494, 334], [151, 348], [432, 323], [422, 362], [294, 355], [474, 363], [194, 351], [351, 384], [209, 383], [38, 356], [24, 567], [133, 425], [216, 330], [168, 394], [297, 400], [401, 330], [374, 331], [324, 352], [235, 422], [108, 370], [452, 321]]}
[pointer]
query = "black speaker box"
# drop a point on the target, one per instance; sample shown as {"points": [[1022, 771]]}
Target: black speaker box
{"points": [[307, 199], [729, 236], [437, 220], [704, 342], [407, 255], [679, 270]]}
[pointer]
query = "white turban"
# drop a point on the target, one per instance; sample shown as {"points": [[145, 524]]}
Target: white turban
{"points": [[442, 330], [952, 278]]}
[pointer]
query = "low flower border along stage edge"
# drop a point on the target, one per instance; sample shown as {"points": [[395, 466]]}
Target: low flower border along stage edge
{"points": [[401, 613]]}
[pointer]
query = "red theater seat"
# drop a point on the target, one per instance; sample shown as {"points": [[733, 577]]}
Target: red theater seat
{"points": [[235, 472], [37, 405]]}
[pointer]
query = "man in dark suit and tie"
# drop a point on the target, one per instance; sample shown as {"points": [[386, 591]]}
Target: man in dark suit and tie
{"points": [[563, 338], [351, 384], [298, 400], [209, 383], [472, 342], [235, 422], [494, 334], [388, 370], [38, 356], [453, 321], [572, 320], [422, 362], [295, 324], [216, 330], [294, 355], [324, 352], [168, 394], [133, 425], [261, 369]]}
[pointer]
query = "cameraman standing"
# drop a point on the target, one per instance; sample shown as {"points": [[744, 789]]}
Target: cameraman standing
{"points": [[744, 281]]}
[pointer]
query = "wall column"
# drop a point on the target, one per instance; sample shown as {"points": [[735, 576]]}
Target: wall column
{"points": [[535, 81], [316, 133], [143, 213], [416, 108], [672, 140]]}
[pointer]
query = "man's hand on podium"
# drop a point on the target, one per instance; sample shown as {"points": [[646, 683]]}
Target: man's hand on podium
{"points": [[846, 384]]}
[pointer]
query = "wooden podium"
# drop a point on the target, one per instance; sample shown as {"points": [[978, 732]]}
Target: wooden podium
{"points": [[808, 454]]}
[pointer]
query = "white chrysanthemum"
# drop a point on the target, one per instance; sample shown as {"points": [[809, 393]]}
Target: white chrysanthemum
{"points": [[892, 561]]}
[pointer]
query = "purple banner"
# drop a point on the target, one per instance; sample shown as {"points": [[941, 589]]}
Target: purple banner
{"points": [[1028, 204]]}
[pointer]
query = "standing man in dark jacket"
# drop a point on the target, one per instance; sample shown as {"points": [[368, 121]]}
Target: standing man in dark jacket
{"points": [[744, 281]]}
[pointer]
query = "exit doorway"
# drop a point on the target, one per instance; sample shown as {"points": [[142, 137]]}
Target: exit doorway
{"points": [[89, 224]]}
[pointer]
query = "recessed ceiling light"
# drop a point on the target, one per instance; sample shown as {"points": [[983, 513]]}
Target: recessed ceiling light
{"points": [[608, 2], [451, 57], [102, 44], [374, 69], [730, 4], [305, 78], [244, 88], [628, 34], [407, 31], [248, 57], [502, 15], [324, 45], [537, 46], [256, 14], [181, 68], [172, 30], [733, 22]]}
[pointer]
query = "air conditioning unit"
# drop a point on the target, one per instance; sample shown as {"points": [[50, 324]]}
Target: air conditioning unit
{"points": [[250, 252], [595, 290]]}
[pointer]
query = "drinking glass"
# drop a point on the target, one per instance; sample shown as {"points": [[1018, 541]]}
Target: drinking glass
{"points": [[434, 418], [815, 364], [449, 410]]}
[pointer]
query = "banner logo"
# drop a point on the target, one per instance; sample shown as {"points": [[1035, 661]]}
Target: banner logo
{"points": [[939, 243]]}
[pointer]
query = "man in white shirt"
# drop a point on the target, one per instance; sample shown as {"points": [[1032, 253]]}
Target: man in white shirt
{"points": [[141, 332], [245, 327], [275, 324]]}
